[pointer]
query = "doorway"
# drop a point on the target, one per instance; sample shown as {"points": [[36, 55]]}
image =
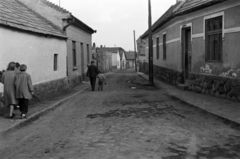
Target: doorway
{"points": [[186, 52]]}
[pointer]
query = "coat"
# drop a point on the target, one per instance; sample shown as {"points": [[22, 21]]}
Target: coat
{"points": [[92, 71], [8, 79], [23, 85]]}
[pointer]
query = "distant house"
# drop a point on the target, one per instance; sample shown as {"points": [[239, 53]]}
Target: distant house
{"points": [[30, 39], [197, 43], [130, 58], [118, 56], [78, 33], [141, 50]]}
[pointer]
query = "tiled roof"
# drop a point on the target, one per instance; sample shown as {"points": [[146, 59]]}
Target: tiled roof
{"points": [[130, 55], [54, 6], [15, 14], [182, 8], [165, 17], [193, 5], [77, 23]]}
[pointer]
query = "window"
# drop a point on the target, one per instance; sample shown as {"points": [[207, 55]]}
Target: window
{"points": [[82, 56], [164, 47], [55, 62], [74, 53], [213, 38], [88, 54], [157, 48]]}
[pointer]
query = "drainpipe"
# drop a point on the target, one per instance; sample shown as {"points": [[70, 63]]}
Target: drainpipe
{"points": [[70, 21]]}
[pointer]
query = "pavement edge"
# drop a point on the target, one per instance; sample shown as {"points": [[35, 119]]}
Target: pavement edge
{"points": [[37, 115], [225, 120]]}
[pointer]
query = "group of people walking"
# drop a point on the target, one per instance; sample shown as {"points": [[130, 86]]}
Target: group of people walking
{"points": [[18, 88]]}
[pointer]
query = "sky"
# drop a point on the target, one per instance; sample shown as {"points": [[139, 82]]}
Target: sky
{"points": [[115, 20]]}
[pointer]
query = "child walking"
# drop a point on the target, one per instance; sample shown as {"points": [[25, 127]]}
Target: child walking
{"points": [[101, 80], [24, 89]]}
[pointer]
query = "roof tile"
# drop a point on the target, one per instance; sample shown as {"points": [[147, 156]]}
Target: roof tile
{"points": [[187, 7], [14, 14]]}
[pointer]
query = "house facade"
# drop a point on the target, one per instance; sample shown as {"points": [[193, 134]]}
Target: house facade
{"points": [[78, 33], [103, 60], [118, 56], [29, 39], [141, 50], [197, 43], [130, 58]]}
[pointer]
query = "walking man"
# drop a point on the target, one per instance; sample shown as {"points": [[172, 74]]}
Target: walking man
{"points": [[92, 74]]}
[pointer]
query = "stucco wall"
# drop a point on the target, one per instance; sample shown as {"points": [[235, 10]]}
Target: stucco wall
{"points": [[36, 51], [115, 59], [229, 66], [79, 36]]}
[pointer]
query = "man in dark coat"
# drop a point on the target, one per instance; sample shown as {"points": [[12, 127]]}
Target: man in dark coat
{"points": [[92, 73]]}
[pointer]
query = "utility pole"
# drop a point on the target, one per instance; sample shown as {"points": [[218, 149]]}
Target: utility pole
{"points": [[135, 53], [150, 44], [59, 3]]}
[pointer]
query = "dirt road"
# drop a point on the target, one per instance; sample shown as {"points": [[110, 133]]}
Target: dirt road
{"points": [[128, 120]]}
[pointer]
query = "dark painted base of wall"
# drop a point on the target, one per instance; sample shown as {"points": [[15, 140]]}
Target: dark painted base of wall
{"points": [[44, 89], [222, 87], [164, 74], [47, 89]]}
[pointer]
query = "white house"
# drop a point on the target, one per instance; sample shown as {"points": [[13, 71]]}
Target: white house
{"points": [[29, 39], [79, 35]]}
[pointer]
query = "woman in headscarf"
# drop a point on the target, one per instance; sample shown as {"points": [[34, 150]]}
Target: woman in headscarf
{"points": [[8, 79]]}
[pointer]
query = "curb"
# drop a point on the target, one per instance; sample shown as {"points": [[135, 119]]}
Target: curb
{"points": [[36, 115], [225, 120]]}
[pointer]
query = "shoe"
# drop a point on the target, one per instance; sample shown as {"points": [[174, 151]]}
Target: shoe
{"points": [[11, 117], [23, 116]]}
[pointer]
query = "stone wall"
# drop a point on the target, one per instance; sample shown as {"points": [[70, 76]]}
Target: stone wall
{"points": [[223, 87], [43, 89], [164, 74]]}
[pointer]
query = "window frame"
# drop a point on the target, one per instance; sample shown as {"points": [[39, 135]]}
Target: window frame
{"points": [[157, 47], [164, 43], [55, 62], [213, 39], [74, 53], [88, 53]]}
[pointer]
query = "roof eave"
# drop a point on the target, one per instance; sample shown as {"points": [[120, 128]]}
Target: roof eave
{"points": [[181, 14], [78, 23], [31, 31]]}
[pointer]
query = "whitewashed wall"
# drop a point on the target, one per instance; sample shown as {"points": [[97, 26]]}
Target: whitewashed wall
{"points": [[115, 57], [36, 51]]}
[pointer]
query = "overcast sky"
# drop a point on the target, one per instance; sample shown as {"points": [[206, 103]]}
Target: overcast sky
{"points": [[115, 20]]}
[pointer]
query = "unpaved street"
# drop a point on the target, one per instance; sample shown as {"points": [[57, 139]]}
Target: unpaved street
{"points": [[124, 123]]}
